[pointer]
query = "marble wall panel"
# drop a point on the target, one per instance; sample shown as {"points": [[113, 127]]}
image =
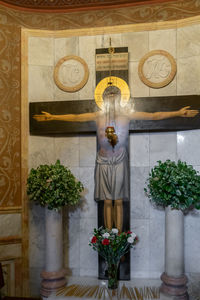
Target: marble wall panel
{"points": [[87, 92], [188, 41], [41, 84], [139, 149], [139, 202], [41, 51], [10, 225], [65, 47], [137, 87], [163, 40], [87, 46], [71, 243], [188, 143], [137, 43], [162, 146], [88, 205], [155, 212], [168, 90], [41, 151], [156, 246], [74, 211], [87, 151], [140, 253], [60, 95], [116, 40], [192, 242], [188, 76], [67, 150], [88, 257], [37, 234]]}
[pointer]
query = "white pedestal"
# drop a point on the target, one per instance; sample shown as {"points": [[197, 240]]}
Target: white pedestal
{"points": [[54, 273], [174, 280]]}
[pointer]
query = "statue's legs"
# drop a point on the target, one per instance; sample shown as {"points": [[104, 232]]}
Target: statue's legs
{"points": [[118, 214], [113, 214], [108, 214]]}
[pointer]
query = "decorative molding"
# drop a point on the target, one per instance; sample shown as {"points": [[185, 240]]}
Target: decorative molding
{"points": [[76, 5], [10, 240], [157, 68], [10, 210], [71, 73], [162, 11]]}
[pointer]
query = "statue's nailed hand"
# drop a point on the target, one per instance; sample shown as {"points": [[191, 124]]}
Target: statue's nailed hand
{"points": [[44, 117], [186, 112]]}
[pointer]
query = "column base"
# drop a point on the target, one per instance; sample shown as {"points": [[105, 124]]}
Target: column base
{"points": [[52, 281], [173, 286]]}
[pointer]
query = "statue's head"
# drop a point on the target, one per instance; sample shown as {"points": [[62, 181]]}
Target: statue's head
{"points": [[111, 91], [112, 96]]}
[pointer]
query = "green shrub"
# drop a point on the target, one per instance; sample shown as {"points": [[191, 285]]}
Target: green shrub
{"points": [[175, 184], [53, 186]]}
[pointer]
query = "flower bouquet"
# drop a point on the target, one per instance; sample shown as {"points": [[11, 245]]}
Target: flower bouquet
{"points": [[112, 246]]}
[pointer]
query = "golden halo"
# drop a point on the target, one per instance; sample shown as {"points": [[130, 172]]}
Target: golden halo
{"points": [[111, 81]]}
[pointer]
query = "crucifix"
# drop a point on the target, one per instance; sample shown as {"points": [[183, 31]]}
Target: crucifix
{"points": [[112, 119]]}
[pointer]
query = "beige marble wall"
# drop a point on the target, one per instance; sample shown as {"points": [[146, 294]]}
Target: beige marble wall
{"points": [[79, 152]]}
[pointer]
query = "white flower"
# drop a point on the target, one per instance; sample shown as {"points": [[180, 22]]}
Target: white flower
{"points": [[106, 235], [91, 238], [115, 231], [133, 235], [130, 240]]}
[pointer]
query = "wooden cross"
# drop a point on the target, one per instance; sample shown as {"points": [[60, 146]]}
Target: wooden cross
{"points": [[149, 104]]}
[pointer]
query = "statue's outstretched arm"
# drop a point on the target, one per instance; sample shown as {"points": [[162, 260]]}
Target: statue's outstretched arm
{"points": [[184, 112], [45, 116]]}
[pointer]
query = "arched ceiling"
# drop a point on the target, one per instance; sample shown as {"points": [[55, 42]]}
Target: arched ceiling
{"points": [[75, 5]]}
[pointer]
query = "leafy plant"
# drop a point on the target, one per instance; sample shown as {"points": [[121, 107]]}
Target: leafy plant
{"points": [[174, 184], [53, 186]]}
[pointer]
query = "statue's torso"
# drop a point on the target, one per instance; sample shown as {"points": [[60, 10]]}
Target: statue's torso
{"points": [[121, 125]]}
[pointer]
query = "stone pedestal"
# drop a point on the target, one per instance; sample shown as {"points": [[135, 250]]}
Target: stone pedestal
{"points": [[53, 277], [174, 280]]}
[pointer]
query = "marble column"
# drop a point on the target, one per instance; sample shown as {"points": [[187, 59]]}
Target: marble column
{"points": [[174, 279], [53, 277]]}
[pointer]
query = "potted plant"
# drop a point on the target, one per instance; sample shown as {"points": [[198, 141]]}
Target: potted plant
{"points": [[53, 186], [112, 246], [175, 187], [174, 184]]}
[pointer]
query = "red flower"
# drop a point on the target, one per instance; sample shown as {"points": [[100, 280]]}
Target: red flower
{"points": [[129, 232], [94, 240], [105, 242]]}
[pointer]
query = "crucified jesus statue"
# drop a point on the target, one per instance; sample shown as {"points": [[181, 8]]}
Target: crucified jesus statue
{"points": [[112, 170]]}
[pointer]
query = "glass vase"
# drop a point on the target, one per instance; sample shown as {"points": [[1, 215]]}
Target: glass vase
{"points": [[112, 275]]}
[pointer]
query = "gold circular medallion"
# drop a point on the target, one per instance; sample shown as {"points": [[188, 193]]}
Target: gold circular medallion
{"points": [[157, 68], [71, 73], [111, 81]]}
